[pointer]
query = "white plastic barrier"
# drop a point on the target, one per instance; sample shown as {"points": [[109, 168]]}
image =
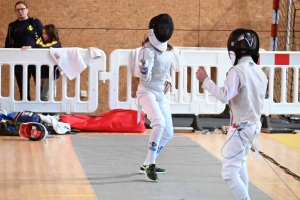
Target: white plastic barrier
{"points": [[181, 101], [207, 48], [40, 57], [281, 60], [193, 102]]}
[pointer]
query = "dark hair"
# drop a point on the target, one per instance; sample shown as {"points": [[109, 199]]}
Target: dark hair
{"points": [[169, 47], [52, 33], [21, 2]]}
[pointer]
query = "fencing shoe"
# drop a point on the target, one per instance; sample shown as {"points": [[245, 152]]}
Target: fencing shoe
{"points": [[150, 172], [158, 170]]}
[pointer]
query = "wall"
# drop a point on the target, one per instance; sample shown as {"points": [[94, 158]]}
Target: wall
{"points": [[122, 24]]}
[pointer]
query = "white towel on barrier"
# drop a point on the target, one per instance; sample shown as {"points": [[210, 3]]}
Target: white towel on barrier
{"points": [[69, 61], [94, 52], [135, 70]]}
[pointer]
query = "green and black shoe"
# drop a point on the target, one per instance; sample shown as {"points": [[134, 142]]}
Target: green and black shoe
{"points": [[158, 170], [151, 173]]}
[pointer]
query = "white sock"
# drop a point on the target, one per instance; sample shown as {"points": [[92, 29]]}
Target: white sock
{"points": [[154, 137]]}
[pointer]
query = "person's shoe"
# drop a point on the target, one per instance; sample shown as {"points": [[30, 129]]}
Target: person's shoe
{"points": [[158, 170], [151, 173]]}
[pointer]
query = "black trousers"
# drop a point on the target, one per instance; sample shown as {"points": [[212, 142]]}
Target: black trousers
{"points": [[19, 77]]}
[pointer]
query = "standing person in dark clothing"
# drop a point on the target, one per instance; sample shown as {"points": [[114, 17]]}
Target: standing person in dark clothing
{"points": [[25, 31]]}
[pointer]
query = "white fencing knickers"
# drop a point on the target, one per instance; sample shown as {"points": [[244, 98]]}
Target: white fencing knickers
{"points": [[159, 113], [235, 152]]}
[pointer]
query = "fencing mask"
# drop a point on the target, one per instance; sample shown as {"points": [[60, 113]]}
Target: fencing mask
{"points": [[33, 131], [243, 42], [161, 28]]}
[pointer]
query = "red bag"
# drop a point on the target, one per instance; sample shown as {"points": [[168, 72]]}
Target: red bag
{"points": [[118, 120]]}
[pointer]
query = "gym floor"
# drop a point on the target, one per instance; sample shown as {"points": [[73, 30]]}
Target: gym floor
{"points": [[50, 169]]}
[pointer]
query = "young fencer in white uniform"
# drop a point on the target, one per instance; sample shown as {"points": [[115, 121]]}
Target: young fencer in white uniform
{"points": [[244, 89], [155, 81]]}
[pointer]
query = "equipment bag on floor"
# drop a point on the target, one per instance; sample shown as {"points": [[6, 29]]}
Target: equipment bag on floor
{"points": [[11, 122], [27, 116], [9, 128], [118, 120]]}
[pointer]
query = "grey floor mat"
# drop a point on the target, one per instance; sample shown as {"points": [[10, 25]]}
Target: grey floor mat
{"points": [[111, 164]]}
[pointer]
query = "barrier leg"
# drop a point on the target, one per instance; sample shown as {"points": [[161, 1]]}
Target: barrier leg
{"points": [[266, 127]]}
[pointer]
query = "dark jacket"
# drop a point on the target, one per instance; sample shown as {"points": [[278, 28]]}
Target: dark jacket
{"points": [[23, 33]]}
